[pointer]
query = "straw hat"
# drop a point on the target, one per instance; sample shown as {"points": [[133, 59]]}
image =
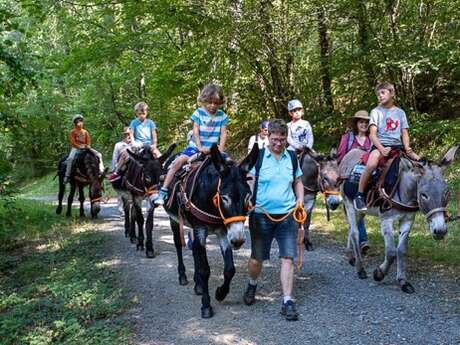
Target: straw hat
{"points": [[361, 115]]}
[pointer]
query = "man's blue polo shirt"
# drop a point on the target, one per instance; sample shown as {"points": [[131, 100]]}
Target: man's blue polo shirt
{"points": [[274, 189]]}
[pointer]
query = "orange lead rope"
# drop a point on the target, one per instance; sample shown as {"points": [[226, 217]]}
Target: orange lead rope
{"points": [[300, 215]]}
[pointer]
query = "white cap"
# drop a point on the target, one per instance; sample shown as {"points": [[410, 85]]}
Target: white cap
{"points": [[294, 104]]}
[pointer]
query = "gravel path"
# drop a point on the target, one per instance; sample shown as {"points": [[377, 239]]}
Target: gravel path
{"points": [[335, 306]]}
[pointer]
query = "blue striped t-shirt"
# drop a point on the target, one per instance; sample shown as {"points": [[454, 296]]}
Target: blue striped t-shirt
{"points": [[210, 126]]}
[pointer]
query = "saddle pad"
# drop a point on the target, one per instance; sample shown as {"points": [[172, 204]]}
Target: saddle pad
{"points": [[382, 161]]}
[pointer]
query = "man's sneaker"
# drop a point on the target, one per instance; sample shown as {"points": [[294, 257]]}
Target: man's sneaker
{"points": [[249, 296], [288, 309], [114, 177], [161, 198], [359, 203]]}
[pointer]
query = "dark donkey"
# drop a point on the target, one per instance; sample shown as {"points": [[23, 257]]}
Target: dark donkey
{"points": [[141, 180], [213, 199], [85, 172], [320, 174]]}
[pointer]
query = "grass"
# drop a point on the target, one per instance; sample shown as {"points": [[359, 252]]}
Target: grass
{"points": [[421, 243], [45, 185], [56, 284]]}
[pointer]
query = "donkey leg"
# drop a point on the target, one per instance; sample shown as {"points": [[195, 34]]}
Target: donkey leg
{"points": [[401, 253], [353, 238], [309, 204], [126, 209], [81, 198], [140, 223], [60, 194], [201, 263], [180, 260], [70, 200], [148, 230], [132, 223], [386, 227], [229, 267]]}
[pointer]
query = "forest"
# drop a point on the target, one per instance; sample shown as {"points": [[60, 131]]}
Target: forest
{"points": [[100, 57]]}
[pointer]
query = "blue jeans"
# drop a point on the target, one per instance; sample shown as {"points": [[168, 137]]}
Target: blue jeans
{"points": [[362, 231], [263, 231]]}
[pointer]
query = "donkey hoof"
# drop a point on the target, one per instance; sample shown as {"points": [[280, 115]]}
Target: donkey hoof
{"points": [[198, 290], [362, 274], [221, 293], [378, 275], [58, 210], [352, 261], [308, 246], [183, 280], [407, 288], [150, 254], [133, 240], [68, 214], [207, 312]]}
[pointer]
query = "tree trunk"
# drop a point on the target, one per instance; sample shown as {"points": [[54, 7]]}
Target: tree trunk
{"points": [[363, 40], [324, 45]]}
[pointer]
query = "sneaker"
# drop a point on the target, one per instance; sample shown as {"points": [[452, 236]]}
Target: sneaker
{"points": [[249, 296], [66, 180], [289, 311], [359, 203], [364, 246], [161, 198], [114, 177]]}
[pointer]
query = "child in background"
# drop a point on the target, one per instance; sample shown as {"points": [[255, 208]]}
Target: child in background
{"points": [[80, 140], [300, 134]]}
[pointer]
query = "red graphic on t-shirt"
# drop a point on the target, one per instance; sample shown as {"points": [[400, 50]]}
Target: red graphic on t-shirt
{"points": [[391, 124]]}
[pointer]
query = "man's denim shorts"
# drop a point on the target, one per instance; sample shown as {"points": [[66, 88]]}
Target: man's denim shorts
{"points": [[263, 231]]}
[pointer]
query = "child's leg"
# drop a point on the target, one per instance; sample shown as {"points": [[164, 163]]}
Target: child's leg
{"points": [[69, 162], [371, 165], [180, 161], [101, 163]]}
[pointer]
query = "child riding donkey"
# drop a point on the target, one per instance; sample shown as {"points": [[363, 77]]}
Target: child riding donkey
{"points": [[388, 131], [80, 140], [209, 127]]}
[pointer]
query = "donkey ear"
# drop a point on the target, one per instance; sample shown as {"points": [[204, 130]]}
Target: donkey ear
{"points": [[166, 154], [250, 159], [418, 167], [218, 161], [312, 153], [138, 158], [333, 153], [449, 156]]}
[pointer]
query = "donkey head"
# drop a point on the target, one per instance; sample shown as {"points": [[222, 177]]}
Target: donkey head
{"points": [[432, 191], [152, 168], [327, 175], [233, 193]]}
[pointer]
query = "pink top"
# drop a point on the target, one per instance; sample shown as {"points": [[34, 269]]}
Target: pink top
{"points": [[342, 150]]}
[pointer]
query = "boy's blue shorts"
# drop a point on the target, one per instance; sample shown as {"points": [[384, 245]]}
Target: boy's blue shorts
{"points": [[189, 151]]}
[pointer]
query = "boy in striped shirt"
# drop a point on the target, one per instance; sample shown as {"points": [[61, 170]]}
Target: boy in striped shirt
{"points": [[209, 127]]}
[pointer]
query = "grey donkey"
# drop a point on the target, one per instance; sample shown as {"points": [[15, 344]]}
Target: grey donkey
{"points": [[320, 174], [422, 186]]}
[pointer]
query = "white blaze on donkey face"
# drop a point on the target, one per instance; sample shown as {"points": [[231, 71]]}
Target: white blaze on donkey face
{"points": [[235, 234]]}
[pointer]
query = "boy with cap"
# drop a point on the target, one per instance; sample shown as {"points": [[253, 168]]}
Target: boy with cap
{"points": [[300, 133]]}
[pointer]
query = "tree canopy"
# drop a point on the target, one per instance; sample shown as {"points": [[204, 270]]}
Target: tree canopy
{"points": [[100, 57]]}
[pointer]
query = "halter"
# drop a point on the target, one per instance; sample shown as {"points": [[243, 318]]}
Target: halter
{"points": [[216, 201]]}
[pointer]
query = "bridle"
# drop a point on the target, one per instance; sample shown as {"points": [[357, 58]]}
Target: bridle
{"points": [[216, 200]]}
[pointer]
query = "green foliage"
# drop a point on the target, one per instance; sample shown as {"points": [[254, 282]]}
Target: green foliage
{"points": [[59, 58], [61, 289]]}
